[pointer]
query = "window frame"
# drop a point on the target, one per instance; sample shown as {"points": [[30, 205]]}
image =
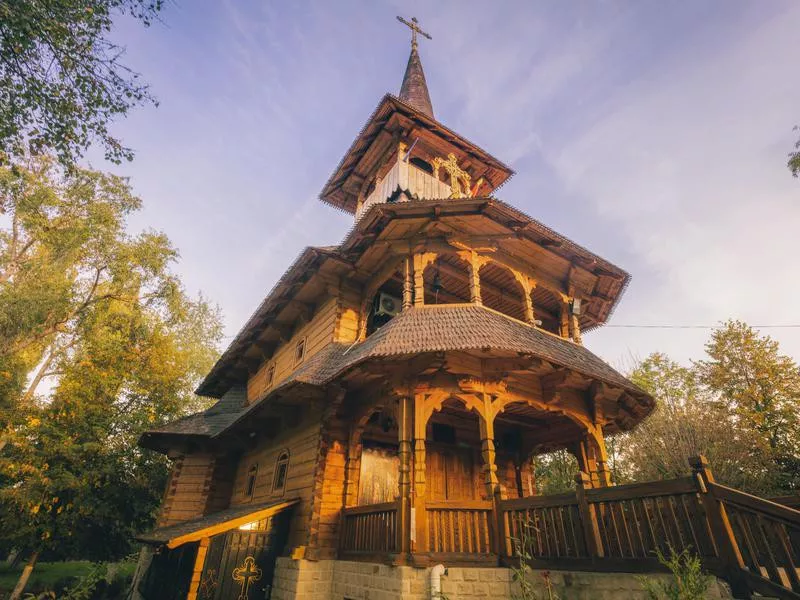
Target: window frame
{"points": [[250, 482], [270, 375], [282, 462], [301, 347]]}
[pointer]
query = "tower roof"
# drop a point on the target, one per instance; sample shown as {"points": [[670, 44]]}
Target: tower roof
{"points": [[414, 90]]}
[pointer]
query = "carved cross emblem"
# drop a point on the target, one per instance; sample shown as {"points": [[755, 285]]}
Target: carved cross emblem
{"points": [[209, 584], [246, 574], [458, 176]]}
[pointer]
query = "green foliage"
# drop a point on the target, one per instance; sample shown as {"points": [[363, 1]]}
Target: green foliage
{"points": [[53, 579], [96, 313], [688, 582], [794, 158], [555, 472], [740, 407], [62, 78], [522, 572]]}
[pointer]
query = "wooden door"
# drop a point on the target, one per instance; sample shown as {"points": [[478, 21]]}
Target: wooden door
{"points": [[240, 564], [451, 473]]}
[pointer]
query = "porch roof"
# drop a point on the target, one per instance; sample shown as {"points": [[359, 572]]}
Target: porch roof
{"points": [[213, 524], [429, 328]]}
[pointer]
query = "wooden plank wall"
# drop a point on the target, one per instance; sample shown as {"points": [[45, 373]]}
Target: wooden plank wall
{"points": [[302, 440], [318, 333]]}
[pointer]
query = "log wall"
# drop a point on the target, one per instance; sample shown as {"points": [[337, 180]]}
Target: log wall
{"points": [[317, 333], [302, 440]]}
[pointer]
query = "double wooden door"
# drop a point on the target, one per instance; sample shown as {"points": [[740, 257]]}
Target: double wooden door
{"points": [[240, 564], [453, 473]]}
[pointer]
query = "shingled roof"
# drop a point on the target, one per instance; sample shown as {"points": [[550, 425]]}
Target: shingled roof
{"points": [[213, 524], [414, 90], [430, 328]]}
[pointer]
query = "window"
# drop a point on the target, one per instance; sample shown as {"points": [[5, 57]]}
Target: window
{"points": [[281, 470], [270, 375], [251, 481], [422, 165], [300, 351]]}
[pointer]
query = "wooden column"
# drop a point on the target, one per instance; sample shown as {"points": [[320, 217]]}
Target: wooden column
{"points": [[421, 545], [564, 317], [576, 329], [408, 284], [588, 513], [352, 469], [530, 316], [724, 539], [197, 572], [489, 456], [405, 429], [475, 280]]}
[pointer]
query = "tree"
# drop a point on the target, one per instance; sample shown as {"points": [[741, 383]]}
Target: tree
{"points": [[61, 77], [96, 313], [687, 422], [760, 389], [794, 158]]}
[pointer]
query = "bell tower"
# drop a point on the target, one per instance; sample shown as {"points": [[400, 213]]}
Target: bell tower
{"points": [[403, 153]]}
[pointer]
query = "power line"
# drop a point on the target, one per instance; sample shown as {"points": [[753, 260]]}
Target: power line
{"points": [[699, 326]]}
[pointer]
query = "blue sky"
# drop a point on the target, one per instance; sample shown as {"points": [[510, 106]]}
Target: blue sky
{"points": [[653, 133]]}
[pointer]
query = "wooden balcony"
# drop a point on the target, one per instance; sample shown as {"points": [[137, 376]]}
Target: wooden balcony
{"points": [[752, 543]]}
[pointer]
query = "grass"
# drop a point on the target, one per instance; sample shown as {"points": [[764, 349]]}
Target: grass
{"points": [[48, 576]]}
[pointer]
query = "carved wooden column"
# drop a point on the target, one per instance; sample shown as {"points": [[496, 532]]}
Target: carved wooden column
{"points": [[405, 429], [475, 280], [575, 326], [408, 284], [420, 526], [593, 458], [530, 316], [420, 262], [564, 317], [489, 456]]}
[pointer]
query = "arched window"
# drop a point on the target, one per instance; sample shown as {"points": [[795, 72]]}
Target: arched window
{"points": [[251, 481], [501, 291], [281, 471]]}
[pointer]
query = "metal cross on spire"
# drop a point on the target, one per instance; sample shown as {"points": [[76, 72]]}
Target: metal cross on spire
{"points": [[415, 29]]}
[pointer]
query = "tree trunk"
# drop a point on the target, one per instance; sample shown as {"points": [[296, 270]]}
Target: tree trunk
{"points": [[23, 579]]}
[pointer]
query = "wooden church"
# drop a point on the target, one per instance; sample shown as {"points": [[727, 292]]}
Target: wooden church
{"points": [[379, 411]]}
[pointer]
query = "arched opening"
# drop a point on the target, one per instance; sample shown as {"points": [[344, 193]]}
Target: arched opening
{"points": [[379, 472], [386, 303], [446, 280], [501, 291], [523, 432], [453, 460], [555, 471], [547, 309], [422, 165]]}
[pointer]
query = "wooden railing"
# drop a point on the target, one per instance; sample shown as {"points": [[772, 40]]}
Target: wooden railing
{"points": [[549, 525], [369, 530], [639, 520], [752, 543], [767, 535], [460, 527]]}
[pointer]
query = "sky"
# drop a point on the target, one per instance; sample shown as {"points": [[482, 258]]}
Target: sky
{"points": [[653, 133]]}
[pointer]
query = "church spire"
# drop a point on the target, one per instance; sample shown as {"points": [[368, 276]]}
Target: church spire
{"points": [[414, 90]]}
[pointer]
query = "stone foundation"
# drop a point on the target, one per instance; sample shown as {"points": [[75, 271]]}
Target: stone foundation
{"points": [[346, 580]]}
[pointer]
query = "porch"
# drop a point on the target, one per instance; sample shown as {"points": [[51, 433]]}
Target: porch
{"points": [[752, 543]]}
